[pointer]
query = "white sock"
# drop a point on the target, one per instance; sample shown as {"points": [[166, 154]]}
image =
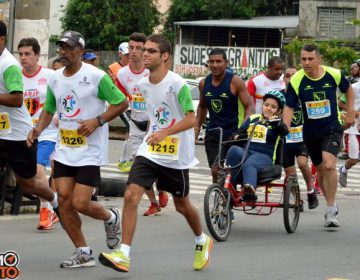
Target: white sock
{"points": [[331, 209], [54, 203], [125, 249], [85, 250], [344, 170], [310, 192], [45, 204], [112, 218], [201, 239]]}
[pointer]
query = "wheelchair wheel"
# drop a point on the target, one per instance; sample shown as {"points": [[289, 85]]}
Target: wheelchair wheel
{"points": [[217, 216], [291, 205]]}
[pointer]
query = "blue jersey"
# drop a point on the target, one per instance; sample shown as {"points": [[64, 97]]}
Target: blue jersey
{"points": [[225, 109]]}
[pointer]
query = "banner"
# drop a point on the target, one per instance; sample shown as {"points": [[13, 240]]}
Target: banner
{"points": [[191, 59]]}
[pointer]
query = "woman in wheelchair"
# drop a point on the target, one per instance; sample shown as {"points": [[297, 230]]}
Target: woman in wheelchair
{"points": [[261, 151]]}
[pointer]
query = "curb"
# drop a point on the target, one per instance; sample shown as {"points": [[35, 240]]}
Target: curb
{"points": [[112, 187]]}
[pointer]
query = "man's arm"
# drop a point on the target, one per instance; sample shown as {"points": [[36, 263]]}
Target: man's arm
{"points": [[350, 112], [287, 116], [13, 99], [201, 110], [244, 97]]}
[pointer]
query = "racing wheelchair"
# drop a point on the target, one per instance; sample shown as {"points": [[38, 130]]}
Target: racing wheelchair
{"points": [[222, 198]]}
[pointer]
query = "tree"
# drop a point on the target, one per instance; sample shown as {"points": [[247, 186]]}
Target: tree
{"points": [[184, 10], [106, 23]]}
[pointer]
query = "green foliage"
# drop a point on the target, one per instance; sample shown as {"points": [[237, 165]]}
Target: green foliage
{"points": [[184, 10], [335, 53], [104, 24]]}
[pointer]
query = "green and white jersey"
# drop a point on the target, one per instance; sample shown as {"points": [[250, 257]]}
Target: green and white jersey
{"points": [[167, 103], [15, 122], [76, 98]]}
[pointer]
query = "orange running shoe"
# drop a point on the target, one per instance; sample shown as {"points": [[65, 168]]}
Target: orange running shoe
{"points": [[54, 218], [45, 222], [163, 199], [153, 210]]}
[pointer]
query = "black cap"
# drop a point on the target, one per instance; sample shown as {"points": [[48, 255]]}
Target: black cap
{"points": [[72, 38], [3, 29]]}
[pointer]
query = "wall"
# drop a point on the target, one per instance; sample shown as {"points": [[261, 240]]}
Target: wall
{"points": [[308, 14]]}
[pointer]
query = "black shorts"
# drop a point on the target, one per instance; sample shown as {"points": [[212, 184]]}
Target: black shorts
{"points": [[328, 142], [212, 148], [88, 175], [144, 173], [20, 157], [292, 151]]}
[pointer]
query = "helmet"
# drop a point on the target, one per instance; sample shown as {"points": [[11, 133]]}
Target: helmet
{"points": [[277, 95]]}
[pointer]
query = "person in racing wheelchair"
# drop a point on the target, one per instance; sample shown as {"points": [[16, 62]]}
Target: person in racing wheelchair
{"points": [[261, 152]]}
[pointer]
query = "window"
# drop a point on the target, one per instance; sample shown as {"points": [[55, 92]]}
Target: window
{"points": [[336, 23]]}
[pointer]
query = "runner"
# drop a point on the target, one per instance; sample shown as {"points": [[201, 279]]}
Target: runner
{"points": [[295, 148], [35, 78], [127, 78], [271, 79], [224, 95], [123, 54], [78, 93], [16, 124], [315, 86], [165, 154], [352, 139]]}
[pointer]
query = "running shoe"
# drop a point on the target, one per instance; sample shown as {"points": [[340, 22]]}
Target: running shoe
{"points": [[342, 178], [153, 210], [115, 260], [249, 193], [202, 254], [54, 218], [313, 201], [331, 220], [125, 166], [79, 259], [45, 222], [163, 199], [113, 230]]}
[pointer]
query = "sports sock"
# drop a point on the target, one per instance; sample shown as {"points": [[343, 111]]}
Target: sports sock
{"points": [[200, 239], [125, 249]]}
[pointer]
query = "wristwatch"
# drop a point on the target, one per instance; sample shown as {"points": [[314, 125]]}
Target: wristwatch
{"points": [[100, 120]]}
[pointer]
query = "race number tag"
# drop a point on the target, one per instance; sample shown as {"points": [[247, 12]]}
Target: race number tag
{"points": [[295, 135], [259, 135], [5, 127], [138, 102], [71, 139], [318, 109], [166, 149]]}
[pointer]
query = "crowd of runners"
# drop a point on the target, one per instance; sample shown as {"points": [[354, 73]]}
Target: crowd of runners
{"points": [[58, 118]]}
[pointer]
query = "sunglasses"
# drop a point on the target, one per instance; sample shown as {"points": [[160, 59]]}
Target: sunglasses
{"points": [[151, 50]]}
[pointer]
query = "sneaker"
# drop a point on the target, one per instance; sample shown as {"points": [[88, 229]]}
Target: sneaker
{"points": [[331, 220], [153, 210], [202, 254], [249, 193], [313, 201], [54, 218], [125, 166], [79, 259], [115, 260], [342, 178], [163, 199], [113, 231], [45, 222]]}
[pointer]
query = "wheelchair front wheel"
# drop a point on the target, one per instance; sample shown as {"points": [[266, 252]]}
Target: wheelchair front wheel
{"points": [[291, 205], [217, 214]]}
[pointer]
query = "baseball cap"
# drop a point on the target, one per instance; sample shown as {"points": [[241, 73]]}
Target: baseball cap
{"points": [[89, 56], [3, 29], [72, 38], [124, 48]]}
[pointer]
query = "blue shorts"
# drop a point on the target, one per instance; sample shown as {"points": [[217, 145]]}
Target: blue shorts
{"points": [[44, 150]]}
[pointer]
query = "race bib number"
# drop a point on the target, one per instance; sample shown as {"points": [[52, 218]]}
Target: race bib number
{"points": [[318, 109], [295, 135], [138, 103], [71, 139], [166, 149], [259, 135], [5, 127]]}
